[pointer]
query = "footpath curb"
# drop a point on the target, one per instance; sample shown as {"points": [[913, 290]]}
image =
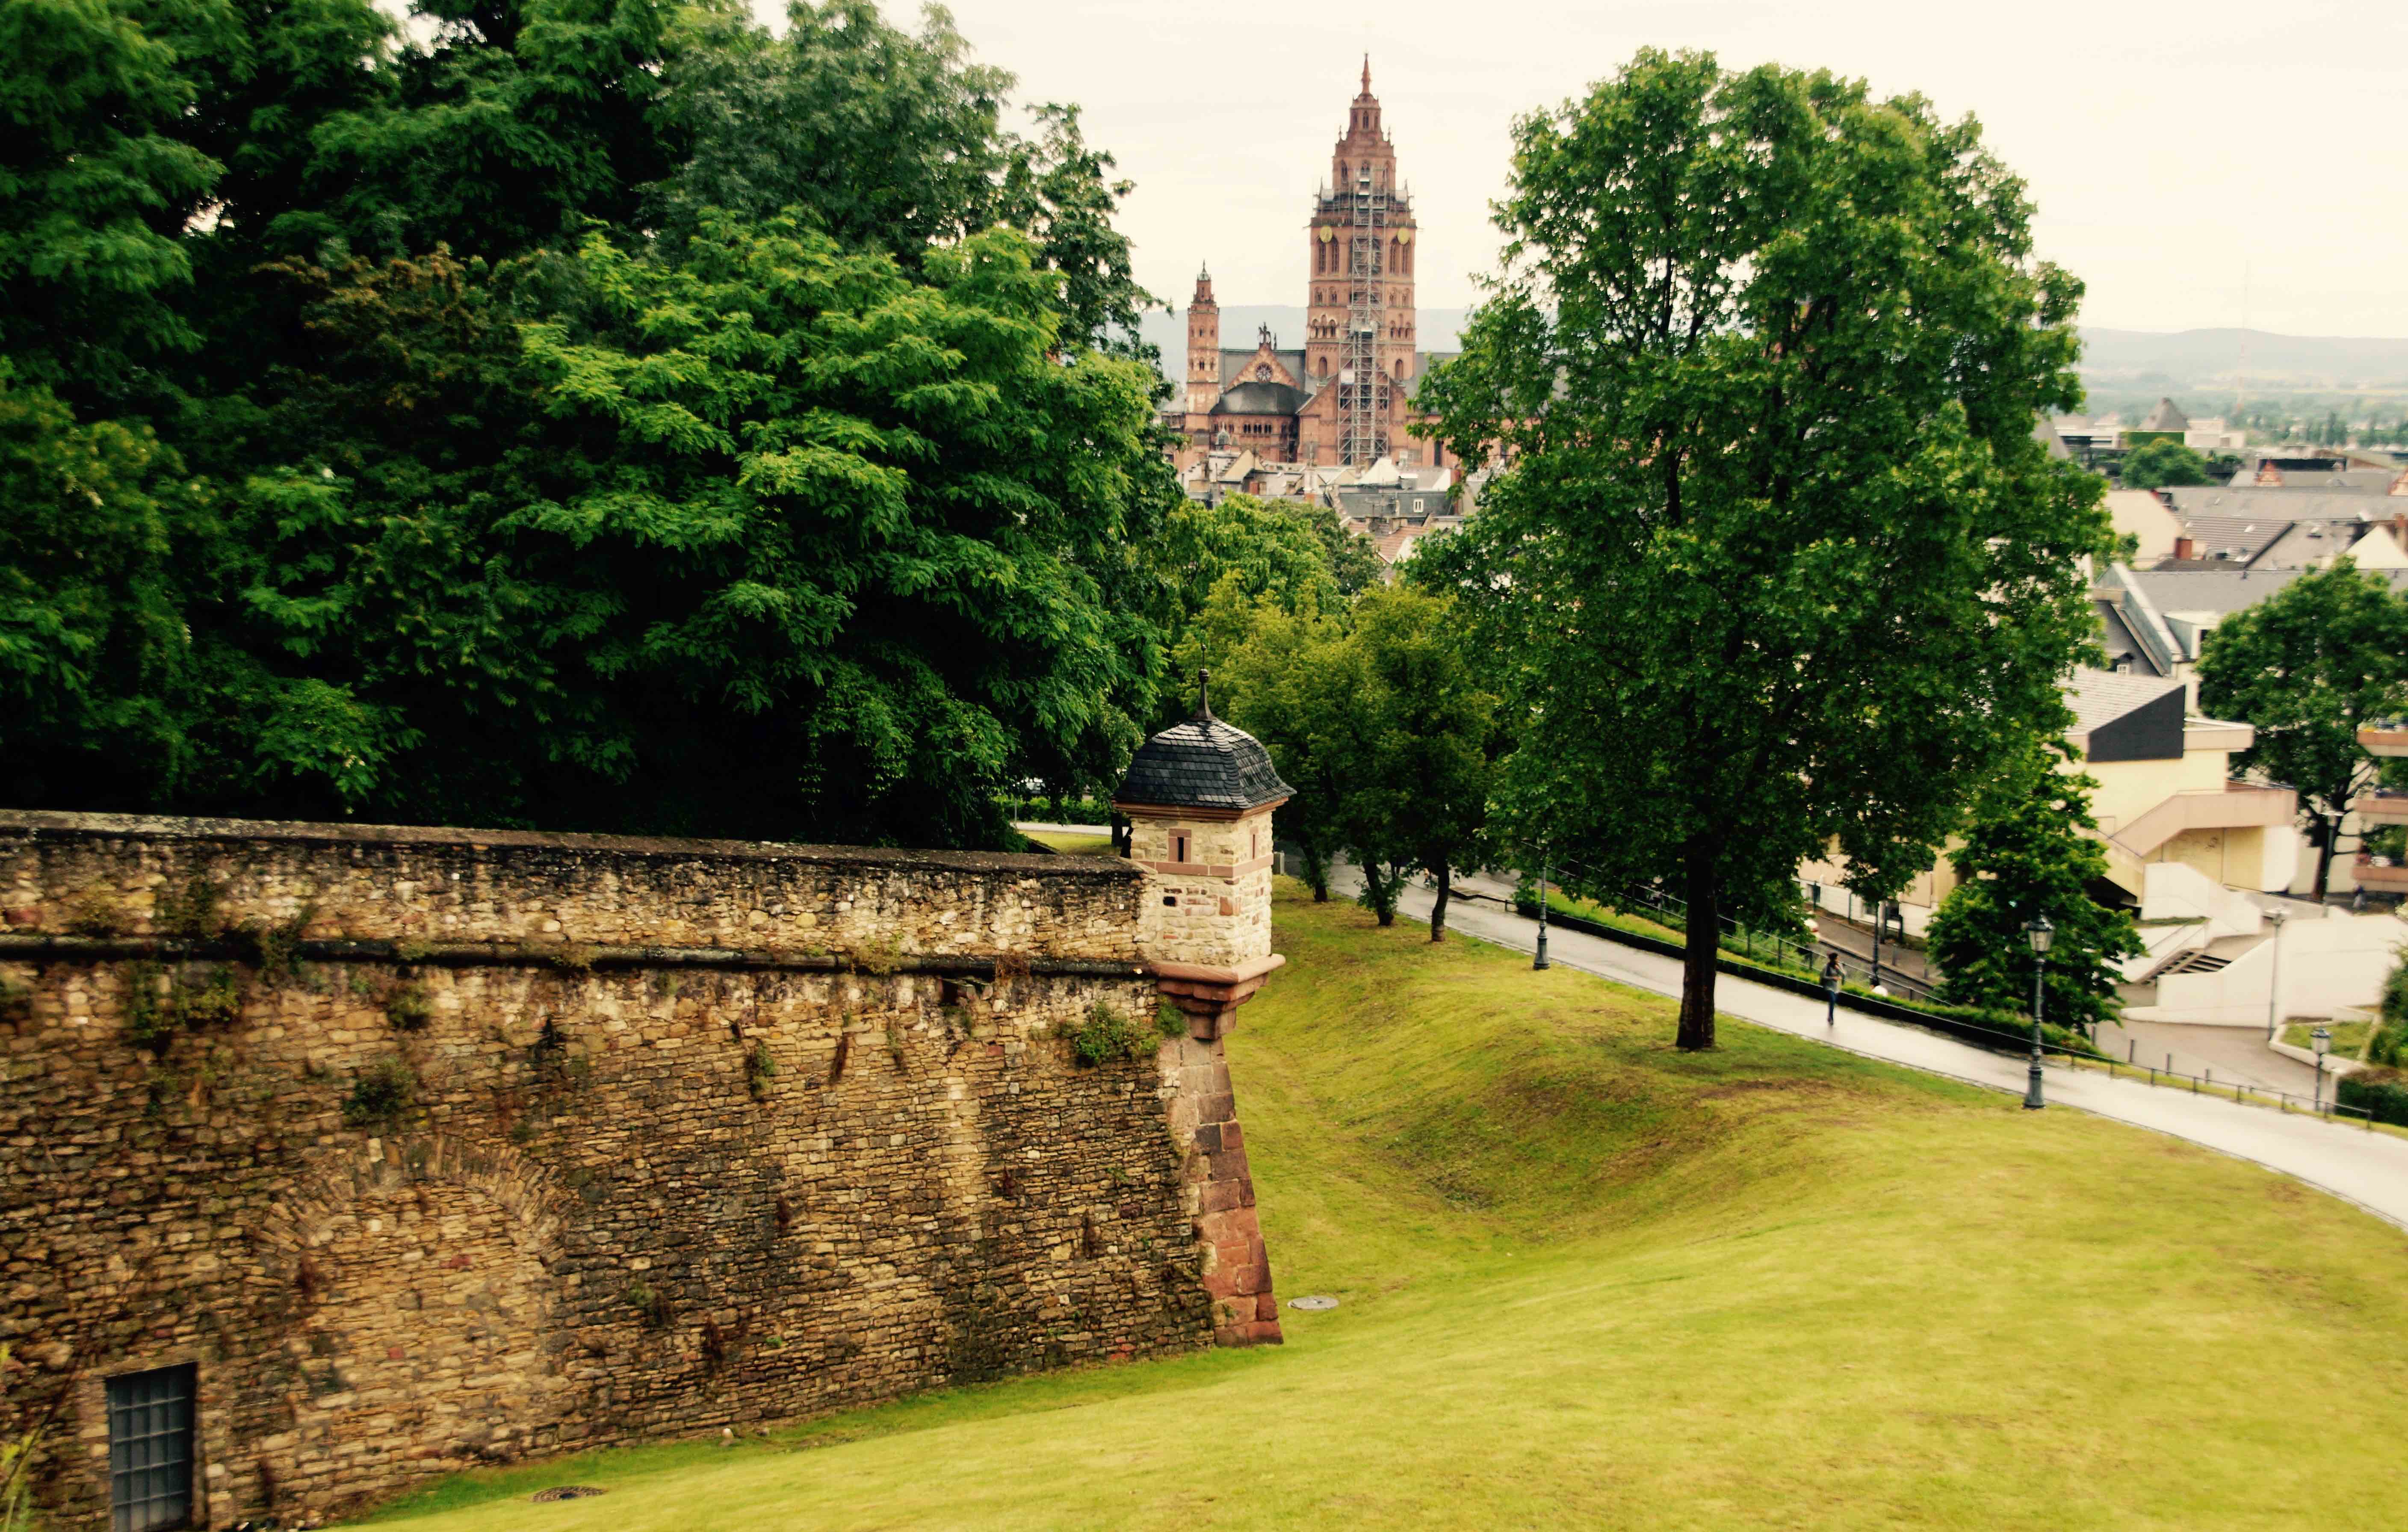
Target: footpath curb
{"points": [[1870, 1005]]}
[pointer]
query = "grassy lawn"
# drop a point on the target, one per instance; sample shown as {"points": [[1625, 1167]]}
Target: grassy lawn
{"points": [[1074, 845], [2348, 1037], [1590, 1281]]}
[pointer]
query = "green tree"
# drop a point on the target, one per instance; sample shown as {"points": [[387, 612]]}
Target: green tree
{"points": [[95, 662], [2030, 850], [1775, 561], [2307, 667], [517, 121], [94, 187], [1276, 680], [1380, 719], [2160, 463], [1425, 741], [1238, 550]]}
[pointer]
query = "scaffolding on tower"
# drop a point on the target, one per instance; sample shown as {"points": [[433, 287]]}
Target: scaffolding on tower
{"points": [[1360, 384]]}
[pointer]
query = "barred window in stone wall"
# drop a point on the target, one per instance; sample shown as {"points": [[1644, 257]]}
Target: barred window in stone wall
{"points": [[150, 1449]]}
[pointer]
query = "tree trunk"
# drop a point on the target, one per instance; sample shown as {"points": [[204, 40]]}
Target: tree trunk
{"points": [[2331, 837], [1316, 872], [1438, 906], [1704, 941], [1379, 890]]}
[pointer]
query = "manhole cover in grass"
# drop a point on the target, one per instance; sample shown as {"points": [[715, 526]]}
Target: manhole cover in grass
{"points": [[1313, 1304], [566, 1492]]}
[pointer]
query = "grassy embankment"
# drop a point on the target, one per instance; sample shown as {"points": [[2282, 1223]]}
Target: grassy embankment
{"points": [[1590, 1281], [2348, 1038], [1074, 845]]}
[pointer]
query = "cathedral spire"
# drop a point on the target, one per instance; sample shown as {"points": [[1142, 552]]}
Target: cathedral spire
{"points": [[1367, 74]]}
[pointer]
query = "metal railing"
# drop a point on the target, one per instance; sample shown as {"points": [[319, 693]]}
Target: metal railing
{"points": [[2205, 1083], [1747, 941]]}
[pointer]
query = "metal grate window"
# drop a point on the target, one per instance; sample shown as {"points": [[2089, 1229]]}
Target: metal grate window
{"points": [[150, 1449]]}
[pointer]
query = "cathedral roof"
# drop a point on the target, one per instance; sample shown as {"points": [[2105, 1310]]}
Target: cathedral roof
{"points": [[1260, 399], [1236, 364]]}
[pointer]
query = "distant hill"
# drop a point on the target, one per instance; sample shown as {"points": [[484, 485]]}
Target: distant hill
{"points": [[2198, 358], [1241, 324], [2113, 361]]}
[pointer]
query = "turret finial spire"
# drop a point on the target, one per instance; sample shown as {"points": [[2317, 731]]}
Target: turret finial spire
{"points": [[1203, 693], [1367, 74]]}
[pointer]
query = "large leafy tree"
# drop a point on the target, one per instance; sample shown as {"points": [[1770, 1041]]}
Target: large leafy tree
{"points": [[95, 660], [1381, 720], [1422, 738], [2159, 462], [95, 185], [487, 447], [2032, 850], [1774, 561], [2309, 667], [771, 539]]}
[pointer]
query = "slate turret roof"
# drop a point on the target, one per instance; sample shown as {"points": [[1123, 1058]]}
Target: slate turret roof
{"points": [[1202, 764]]}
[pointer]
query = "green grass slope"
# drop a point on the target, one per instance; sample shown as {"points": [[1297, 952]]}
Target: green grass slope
{"points": [[1588, 1280]]}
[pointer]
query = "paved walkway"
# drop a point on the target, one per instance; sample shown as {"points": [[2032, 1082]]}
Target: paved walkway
{"points": [[2221, 1053], [2370, 1169]]}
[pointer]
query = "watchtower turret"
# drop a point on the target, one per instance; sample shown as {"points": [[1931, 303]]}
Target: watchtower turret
{"points": [[1198, 799]]}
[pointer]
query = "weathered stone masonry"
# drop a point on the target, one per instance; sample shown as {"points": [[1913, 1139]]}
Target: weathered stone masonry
{"points": [[435, 1147]]}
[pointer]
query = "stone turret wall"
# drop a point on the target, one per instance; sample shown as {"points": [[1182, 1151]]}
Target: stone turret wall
{"points": [[433, 1148], [1213, 906]]}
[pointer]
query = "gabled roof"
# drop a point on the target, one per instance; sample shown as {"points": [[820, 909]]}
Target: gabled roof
{"points": [[2166, 417], [1236, 367], [1260, 399], [2319, 495], [2099, 697], [2218, 592]]}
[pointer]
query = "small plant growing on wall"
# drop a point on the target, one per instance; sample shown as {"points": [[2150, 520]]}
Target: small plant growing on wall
{"points": [[408, 1008], [759, 1069], [1104, 1035], [213, 1002], [884, 957], [1170, 1020], [651, 1304], [16, 1002], [93, 913], [382, 1094], [191, 911]]}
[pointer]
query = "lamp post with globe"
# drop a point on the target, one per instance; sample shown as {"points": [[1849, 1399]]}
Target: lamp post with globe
{"points": [[2040, 934]]}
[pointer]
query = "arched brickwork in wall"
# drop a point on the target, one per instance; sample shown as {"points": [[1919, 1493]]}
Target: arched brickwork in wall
{"points": [[420, 1327]]}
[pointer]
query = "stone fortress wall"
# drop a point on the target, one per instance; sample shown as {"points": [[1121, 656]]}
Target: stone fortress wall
{"points": [[431, 1147]]}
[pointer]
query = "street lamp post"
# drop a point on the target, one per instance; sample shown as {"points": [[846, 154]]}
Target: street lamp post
{"points": [[2323, 1040], [2040, 932], [1831, 991], [1540, 960], [2274, 985], [1879, 904]]}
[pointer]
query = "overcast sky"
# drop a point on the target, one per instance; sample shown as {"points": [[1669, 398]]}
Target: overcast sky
{"points": [[2168, 147]]}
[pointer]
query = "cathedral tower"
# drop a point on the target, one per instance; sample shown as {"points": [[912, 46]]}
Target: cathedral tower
{"points": [[1359, 311], [1203, 346]]}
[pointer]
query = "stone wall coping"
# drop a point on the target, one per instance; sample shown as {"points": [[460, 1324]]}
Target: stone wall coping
{"points": [[41, 825], [1197, 973]]}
